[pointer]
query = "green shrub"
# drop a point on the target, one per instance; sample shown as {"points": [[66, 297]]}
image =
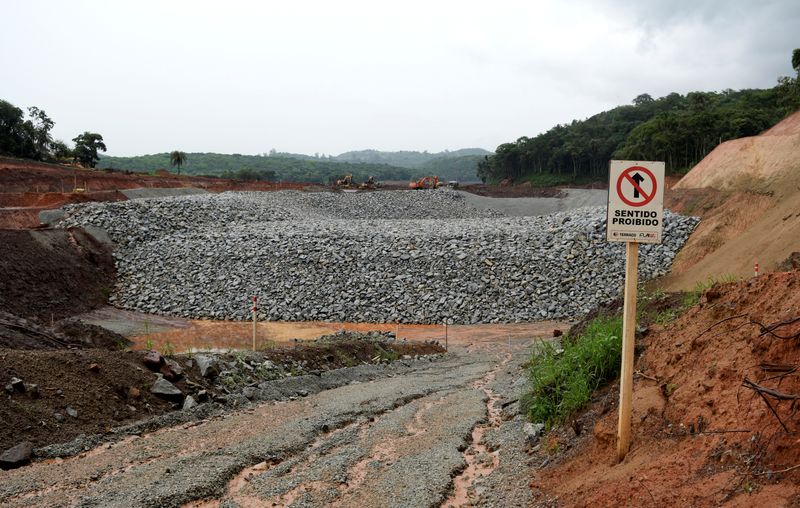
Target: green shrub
{"points": [[563, 381]]}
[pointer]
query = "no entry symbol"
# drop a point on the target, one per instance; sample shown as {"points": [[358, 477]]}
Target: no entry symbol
{"points": [[632, 183]]}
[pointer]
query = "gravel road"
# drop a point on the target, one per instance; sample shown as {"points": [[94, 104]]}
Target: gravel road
{"points": [[394, 441]]}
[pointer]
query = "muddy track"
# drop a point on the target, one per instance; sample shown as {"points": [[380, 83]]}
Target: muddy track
{"points": [[399, 441]]}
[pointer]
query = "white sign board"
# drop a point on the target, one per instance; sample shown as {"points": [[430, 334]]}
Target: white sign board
{"points": [[635, 201]]}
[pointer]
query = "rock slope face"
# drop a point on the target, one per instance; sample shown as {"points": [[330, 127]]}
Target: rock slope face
{"points": [[407, 256]]}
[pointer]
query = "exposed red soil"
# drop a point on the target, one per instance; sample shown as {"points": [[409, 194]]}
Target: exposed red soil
{"points": [[700, 438], [28, 187], [199, 335], [747, 192], [751, 163], [31, 176], [53, 274]]}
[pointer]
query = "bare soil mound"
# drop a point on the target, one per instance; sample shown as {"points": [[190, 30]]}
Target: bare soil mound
{"points": [[747, 192], [101, 396], [751, 163], [19, 333], [52, 274], [714, 416], [90, 391]]}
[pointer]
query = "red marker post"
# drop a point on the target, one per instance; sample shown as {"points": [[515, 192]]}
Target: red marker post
{"points": [[255, 320], [755, 269]]}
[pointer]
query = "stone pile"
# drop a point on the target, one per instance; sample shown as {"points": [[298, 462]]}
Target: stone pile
{"points": [[406, 256]]}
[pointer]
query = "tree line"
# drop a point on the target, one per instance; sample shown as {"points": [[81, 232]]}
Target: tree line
{"points": [[258, 167], [678, 129], [28, 136], [290, 168]]}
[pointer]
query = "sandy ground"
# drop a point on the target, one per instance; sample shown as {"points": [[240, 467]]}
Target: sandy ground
{"points": [[197, 335]]}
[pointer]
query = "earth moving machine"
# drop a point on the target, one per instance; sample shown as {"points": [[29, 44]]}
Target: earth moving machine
{"points": [[369, 184], [347, 181], [426, 182]]}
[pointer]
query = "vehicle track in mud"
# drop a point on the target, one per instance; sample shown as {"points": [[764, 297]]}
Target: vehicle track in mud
{"points": [[397, 441]]}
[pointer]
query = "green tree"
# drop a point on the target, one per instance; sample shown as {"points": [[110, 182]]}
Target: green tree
{"points": [[86, 147], [38, 127], [60, 151], [178, 159], [11, 129]]}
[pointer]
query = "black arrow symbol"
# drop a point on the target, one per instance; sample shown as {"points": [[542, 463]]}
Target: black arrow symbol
{"points": [[638, 179]]}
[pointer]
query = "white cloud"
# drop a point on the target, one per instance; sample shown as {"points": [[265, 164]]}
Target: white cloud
{"points": [[334, 76]]}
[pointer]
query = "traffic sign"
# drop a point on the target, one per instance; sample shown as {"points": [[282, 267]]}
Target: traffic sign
{"points": [[635, 215], [635, 202]]}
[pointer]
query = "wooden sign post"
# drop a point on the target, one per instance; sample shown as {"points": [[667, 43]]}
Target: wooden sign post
{"points": [[635, 215], [628, 344]]}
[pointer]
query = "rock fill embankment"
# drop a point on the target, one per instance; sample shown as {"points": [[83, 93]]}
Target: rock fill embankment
{"points": [[407, 256]]}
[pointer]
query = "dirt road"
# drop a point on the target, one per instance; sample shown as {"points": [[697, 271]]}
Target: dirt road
{"points": [[400, 440]]}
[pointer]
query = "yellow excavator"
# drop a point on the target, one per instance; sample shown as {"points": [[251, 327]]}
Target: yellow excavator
{"points": [[346, 181]]}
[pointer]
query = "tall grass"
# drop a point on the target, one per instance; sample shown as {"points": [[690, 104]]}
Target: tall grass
{"points": [[563, 381]]}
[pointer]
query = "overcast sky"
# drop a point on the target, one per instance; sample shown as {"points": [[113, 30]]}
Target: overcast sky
{"points": [[332, 76]]}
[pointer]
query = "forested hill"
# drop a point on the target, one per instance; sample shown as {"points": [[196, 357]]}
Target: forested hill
{"points": [[457, 165], [678, 129], [408, 159]]}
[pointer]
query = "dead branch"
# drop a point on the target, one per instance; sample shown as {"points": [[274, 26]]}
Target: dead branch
{"points": [[724, 431], [719, 323], [642, 374], [769, 391], [648, 490], [777, 367], [770, 329], [764, 473]]}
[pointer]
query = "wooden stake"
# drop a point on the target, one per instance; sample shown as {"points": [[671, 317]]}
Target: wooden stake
{"points": [[445, 335], [628, 342]]}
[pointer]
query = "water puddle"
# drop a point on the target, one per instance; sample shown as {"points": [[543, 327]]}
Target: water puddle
{"points": [[204, 335], [481, 461]]}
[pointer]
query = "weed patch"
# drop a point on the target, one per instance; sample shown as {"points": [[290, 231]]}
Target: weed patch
{"points": [[562, 380]]}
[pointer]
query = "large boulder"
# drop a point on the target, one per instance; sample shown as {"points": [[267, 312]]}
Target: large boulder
{"points": [[166, 390], [16, 456], [208, 365]]}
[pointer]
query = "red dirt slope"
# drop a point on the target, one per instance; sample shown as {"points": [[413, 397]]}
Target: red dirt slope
{"points": [[748, 193], [700, 437], [28, 187], [752, 163]]}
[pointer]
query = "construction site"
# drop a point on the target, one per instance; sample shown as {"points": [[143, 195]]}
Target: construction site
{"points": [[188, 341]]}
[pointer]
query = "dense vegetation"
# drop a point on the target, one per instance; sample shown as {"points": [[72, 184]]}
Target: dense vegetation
{"points": [[303, 168], [678, 129], [30, 138], [259, 167], [562, 380]]}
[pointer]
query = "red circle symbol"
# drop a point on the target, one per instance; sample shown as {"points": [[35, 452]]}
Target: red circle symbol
{"points": [[638, 191]]}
